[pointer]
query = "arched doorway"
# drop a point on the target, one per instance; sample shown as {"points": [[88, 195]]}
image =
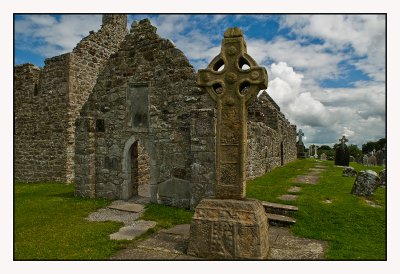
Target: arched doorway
{"points": [[136, 166]]}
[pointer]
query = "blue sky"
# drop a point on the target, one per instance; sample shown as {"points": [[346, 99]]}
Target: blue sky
{"points": [[327, 72]]}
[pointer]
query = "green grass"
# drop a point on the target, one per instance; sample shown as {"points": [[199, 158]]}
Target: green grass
{"points": [[353, 229], [166, 216], [49, 224], [275, 183]]}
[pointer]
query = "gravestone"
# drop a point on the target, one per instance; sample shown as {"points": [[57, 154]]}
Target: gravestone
{"points": [[365, 160], [323, 156], [372, 160], [367, 181], [384, 155], [300, 145], [349, 172], [310, 152], [352, 159], [380, 155], [229, 226], [382, 176], [342, 153], [315, 152]]}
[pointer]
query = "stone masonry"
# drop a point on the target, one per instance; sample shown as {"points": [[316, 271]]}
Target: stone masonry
{"points": [[123, 111], [47, 101]]}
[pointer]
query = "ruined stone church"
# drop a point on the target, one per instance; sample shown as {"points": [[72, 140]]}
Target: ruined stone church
{"points": [[121, 116]]}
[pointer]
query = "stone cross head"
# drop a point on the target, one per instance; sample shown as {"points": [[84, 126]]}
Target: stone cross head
{"points": [[300, 134], [343, 140]]}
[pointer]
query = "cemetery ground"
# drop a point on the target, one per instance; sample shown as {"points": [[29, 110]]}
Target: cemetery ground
{"points": [[50, 223]]}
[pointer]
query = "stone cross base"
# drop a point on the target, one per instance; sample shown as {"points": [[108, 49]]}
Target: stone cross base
{"points": [[229, 229]]}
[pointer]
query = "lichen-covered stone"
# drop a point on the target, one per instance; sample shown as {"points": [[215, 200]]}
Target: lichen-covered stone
{"points": [[122, 112], [382, 176], [229, 229], [48, 100], [349, 172], [367, 181]]}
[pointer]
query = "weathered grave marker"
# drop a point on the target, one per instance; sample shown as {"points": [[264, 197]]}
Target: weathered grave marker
{"points": [[229, 226], [342, 153], [300, 145]]}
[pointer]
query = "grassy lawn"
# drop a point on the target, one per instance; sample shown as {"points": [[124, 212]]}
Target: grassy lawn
{"points": [[353, 229], [49, 224]]}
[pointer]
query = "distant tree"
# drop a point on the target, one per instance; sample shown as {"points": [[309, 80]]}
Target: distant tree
{"points": [[370, 146], [354, 150], [326, 149]]}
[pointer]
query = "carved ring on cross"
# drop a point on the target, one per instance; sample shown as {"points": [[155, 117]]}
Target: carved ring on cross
{"points": [[233, 72]]}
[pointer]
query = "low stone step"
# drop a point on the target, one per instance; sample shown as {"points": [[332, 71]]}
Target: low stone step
{"points": [[280, 209], [280, 220]]}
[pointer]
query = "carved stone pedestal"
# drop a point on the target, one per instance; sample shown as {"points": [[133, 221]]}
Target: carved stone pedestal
{"points": [[229, 229]]}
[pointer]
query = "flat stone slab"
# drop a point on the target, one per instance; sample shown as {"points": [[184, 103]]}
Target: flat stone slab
{"points": [[132, 231], [129, 207], [294, 189], [166, 242], [182, 230], [306, 179], [288, 247], [320, 166], [280, 220], [288, 197], [108, 214], [164, 246]]}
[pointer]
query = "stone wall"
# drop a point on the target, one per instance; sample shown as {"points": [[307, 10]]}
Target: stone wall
{"points": [[147, 92], [123, 111], [47, 102], [271, 139]]}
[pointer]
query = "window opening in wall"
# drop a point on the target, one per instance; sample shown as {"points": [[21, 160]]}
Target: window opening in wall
{"points": [[35, 90], [100, 127], [281, 154]]}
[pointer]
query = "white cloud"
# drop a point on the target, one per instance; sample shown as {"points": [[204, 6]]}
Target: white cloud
{"points": [[54, 37], [363, 34]]}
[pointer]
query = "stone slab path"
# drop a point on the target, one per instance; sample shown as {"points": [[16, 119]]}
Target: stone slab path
{"points": [[171, 244]]}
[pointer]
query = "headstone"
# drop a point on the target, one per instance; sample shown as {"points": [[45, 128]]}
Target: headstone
{"points": [[352, 159], [384, 155], [323, 156], [300, 145], [315, 152], [342, 153], [349, 172], [367, 181], [382, 176], [372, 160], [310, 151], [365, 160], [230, 226], [359, 159], [380, 155]]}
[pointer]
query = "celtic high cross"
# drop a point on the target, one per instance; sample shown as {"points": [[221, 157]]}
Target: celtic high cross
{"points": [[232, 79], [300, 134]]}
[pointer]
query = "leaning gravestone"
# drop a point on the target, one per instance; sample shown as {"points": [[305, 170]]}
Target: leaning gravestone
{"points": [[323, 156], [379, 157], [367, 181], [230, 226], [365, 160], [372, 160], [349, 172], [382, 176], [342, 153], [300, 145]]}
